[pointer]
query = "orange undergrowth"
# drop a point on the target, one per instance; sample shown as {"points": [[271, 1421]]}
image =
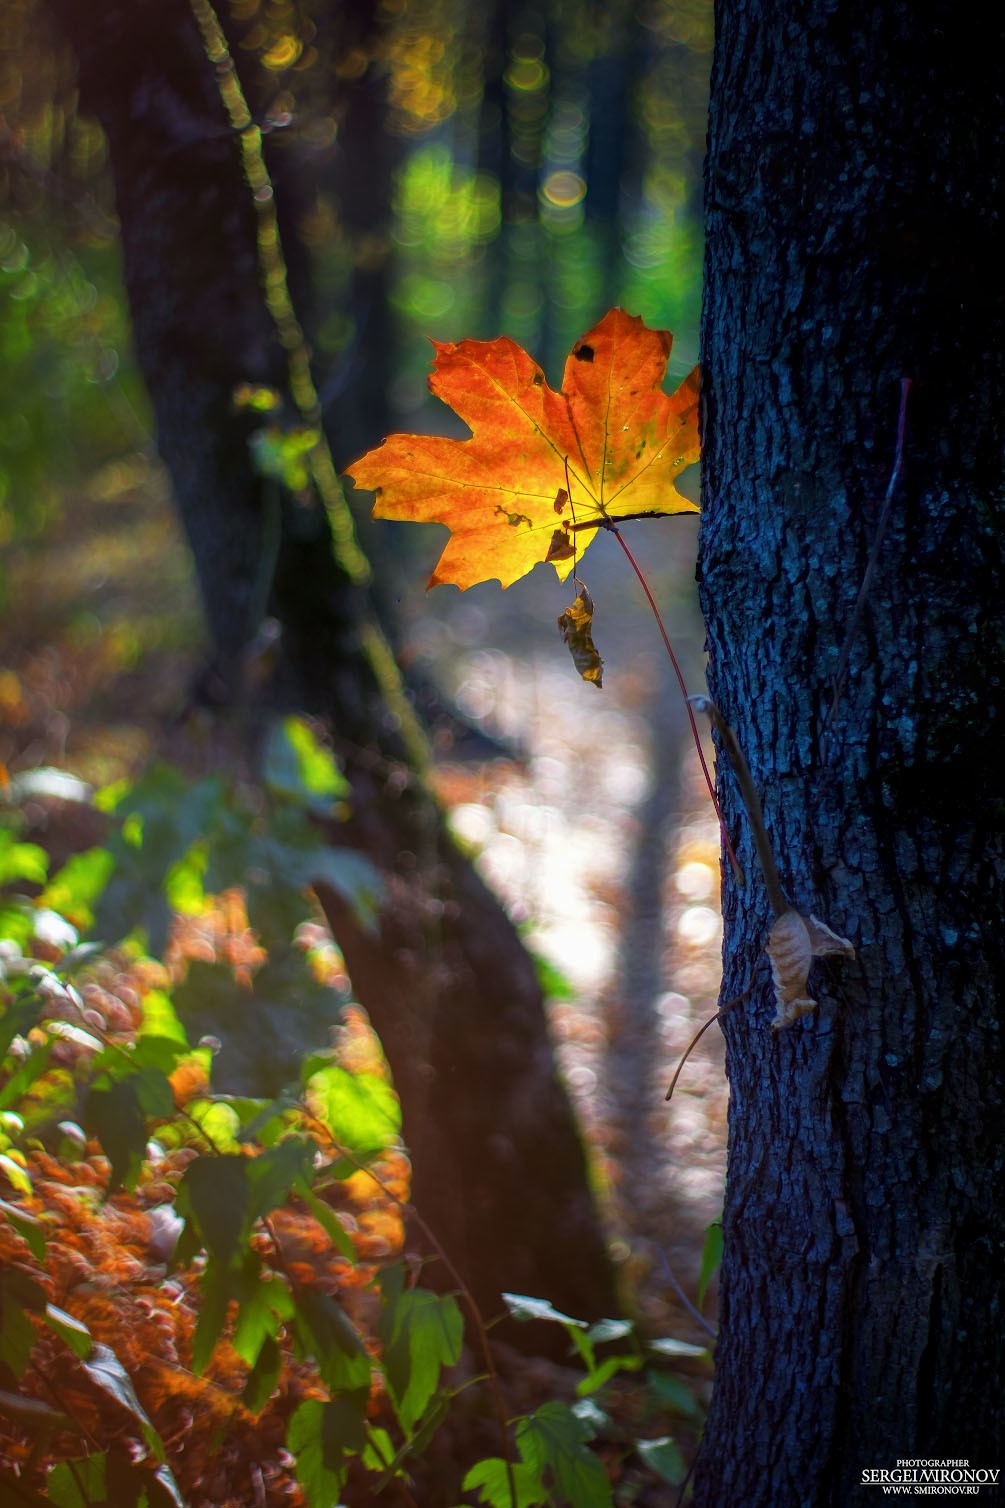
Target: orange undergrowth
{"points": [[107, 1259]]}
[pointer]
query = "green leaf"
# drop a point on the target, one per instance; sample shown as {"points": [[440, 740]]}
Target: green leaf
{"points": [[216, 1289], [160, 1018], [552, 1438], [183, 883], [21, 861], [111, 1479], [215, 1192], [162, 818], [219, 1123], [75, 889], [675, 1393], [263, 1376], [663, 1457], [266, 1303], [160, 1054], [72, 1331], [329, 1222], [32, 1068], [26, 1226], [711, 1258], [284, 454], [583, 1344], [107, 1372], [593, 1418], [434, 1416], [379, 1455], [16, 1175], [422, 1333], [322, 1438], [273, 1173], [18, 1293], [117, 1115], [360, 1110], [610, 1329], [521, 1307], [605, 1370], [15, 927], [326, 1333], [298, 766], [79, 1483], [491, 1479], [667, 1347], [290, 858]]}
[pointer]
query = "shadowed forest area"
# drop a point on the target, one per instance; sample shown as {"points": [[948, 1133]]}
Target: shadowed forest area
{"points": [[228, 825]]}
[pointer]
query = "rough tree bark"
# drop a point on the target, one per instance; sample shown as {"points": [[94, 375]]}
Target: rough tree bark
{"points": [[499, 1171], [854, 184]]}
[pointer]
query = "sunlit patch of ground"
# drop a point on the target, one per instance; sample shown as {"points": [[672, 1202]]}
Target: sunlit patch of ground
{"points": [[556, 833]]}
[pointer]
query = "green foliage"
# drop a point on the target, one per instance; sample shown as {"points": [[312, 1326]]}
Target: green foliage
{"points": [[300, 768], [248, 1159], [284, 454], [554, 1463], [116, 1112], [555, 1436], [553, 1440], [421, 1334], [111, 1478], [175, 841], [360, 1111], [324, 1437]]}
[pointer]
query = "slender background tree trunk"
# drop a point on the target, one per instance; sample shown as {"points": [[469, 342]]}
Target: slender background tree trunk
{"points": [[854, 194], [500, 1172]]}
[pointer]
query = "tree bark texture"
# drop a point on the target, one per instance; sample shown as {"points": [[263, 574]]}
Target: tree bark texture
{"points": [[499, 1170], [854, 196]]}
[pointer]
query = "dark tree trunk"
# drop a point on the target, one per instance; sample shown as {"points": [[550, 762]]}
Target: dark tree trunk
{"points": [[499, 1169], [854, 194]]}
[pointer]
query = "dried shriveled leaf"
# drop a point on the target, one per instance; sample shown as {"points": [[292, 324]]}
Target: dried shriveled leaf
{"points": [[576, 625], [542, 470], [793, 943]]}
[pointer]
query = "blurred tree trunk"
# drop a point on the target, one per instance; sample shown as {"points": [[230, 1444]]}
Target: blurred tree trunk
{"points": [[853, 238], [499, 1169]]}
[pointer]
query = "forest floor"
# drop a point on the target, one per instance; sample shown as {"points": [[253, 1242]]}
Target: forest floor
{"points": [[587, 807]]}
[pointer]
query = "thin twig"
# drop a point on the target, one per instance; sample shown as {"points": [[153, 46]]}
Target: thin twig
{"points": [[723, 1010], [613, 529], [688, 1051], [751, 801]]}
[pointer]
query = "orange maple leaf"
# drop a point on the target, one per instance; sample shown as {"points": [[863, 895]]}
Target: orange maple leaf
{"points": [[542, 470]]}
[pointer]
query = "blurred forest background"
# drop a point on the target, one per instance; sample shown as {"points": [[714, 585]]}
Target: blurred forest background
{"points": [[459, 170]]}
